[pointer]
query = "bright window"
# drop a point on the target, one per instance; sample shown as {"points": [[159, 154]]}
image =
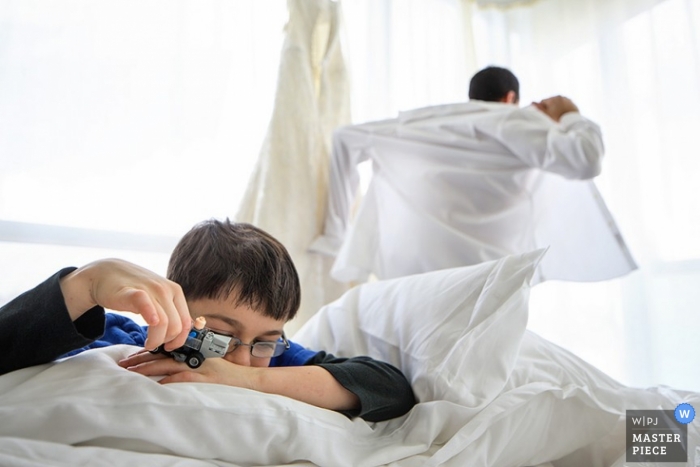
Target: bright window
{"points": [[130, 116]]}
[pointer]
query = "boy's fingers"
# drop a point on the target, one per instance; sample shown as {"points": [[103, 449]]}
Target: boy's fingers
{"points": [[158, 367], [138, 353], [167, 315], [156, 333], [183, 377], [138, 358], [180, 316], [139, 302]]}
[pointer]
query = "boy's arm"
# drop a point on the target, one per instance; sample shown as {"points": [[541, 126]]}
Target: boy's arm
{"points": [[36, 328], [382, 390], [310, 383], [122, 286], [66, 311], [359, 386]]}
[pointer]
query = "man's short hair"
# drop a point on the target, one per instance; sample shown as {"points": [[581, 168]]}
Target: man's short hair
{"points": [[223, 259], [493, 84]]}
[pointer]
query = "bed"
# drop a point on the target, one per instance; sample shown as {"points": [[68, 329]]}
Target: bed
{"points": [[490, 392]]}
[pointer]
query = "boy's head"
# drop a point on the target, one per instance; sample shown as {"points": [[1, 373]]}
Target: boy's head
{"points": [[220, 260]]}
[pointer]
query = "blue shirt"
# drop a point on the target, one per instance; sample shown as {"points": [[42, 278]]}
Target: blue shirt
{"points": [[122, 330]]}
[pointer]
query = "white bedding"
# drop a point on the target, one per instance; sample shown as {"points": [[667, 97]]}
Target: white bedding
{"points": [[88, 411], [491, 393]]}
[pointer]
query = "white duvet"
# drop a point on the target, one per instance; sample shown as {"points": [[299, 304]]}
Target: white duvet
{"points": [[490, 393], [89, 411]]}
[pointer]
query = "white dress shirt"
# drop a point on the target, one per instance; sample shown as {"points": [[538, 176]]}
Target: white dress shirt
{"points": [[459, 184]]}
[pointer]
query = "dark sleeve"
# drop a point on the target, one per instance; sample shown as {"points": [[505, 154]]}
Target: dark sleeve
{"points": [[36, 328], [384, 391]]}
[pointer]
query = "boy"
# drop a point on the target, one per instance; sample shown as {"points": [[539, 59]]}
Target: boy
{"points": [[237, 277]]}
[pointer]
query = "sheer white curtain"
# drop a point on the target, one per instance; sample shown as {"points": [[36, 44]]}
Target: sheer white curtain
{"points": [[287, 191], [405, 54], [631, 65], [634, 67], [124, 123]]}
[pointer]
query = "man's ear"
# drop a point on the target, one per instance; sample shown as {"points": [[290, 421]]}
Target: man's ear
{"points": [[509, 98]]}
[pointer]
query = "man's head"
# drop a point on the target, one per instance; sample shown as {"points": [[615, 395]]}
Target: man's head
{"points": [[222, 260], [495, 84]]}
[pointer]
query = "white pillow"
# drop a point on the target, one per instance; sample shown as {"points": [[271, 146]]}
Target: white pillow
{"points": [[86, 410], [89, 402], [454, 333]]}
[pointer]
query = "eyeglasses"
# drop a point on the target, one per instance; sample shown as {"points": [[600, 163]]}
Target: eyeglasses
{"points": [[260, 349]]}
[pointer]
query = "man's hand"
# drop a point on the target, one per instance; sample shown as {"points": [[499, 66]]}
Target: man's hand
{"points": [[122, 286], [556, 106]]}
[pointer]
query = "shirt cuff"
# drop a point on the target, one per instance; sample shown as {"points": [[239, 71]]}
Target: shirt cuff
{"points": [[569, 118]]}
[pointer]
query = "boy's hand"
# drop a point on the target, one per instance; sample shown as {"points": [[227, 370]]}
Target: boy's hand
{"points": [[122, 286], [139, 357], [213, 370], [307, 383]]}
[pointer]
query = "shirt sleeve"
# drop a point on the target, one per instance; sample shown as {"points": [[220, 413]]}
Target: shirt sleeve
{"points": [[383, 391], [572, 147], [351, 146], [296, 355], [36, 328]]}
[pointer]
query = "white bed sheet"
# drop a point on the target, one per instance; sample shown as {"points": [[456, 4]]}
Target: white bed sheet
{"points": [[89, 411], [490, 393]]}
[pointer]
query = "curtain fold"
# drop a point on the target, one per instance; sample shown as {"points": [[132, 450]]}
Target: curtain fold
{"points": [[287, 190]]}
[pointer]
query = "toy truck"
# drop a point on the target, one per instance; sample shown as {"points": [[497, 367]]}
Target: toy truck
{"points": [[200, 345]]}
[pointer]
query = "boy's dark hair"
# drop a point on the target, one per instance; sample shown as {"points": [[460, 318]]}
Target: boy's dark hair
{"points": [[218, 258], [492, 84]]}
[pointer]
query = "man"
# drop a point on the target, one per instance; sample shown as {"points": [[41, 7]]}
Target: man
{"points": [[237, 277], [460, 184], [494, 84]]}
